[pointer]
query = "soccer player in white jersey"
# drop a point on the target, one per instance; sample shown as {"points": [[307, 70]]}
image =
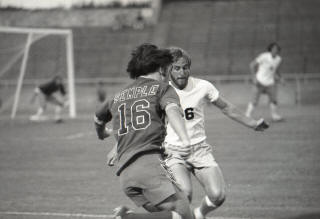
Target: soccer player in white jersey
{"points": [[265, 72], [194, 93]]}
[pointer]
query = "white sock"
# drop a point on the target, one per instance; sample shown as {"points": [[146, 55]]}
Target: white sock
{"points": [[198, 214], [249, 109], [175, 215]]}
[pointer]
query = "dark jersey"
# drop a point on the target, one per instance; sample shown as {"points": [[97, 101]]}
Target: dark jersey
{"points": [[101, 94], [138, 114], [51, 87]]}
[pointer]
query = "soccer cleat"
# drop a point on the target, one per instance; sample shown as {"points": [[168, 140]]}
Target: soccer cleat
{"points": [[120, 211], [58, 121], [277, 118], [37, 118]]}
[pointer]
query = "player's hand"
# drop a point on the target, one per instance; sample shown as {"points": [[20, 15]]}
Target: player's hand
{"points": [[183, 151], [261, 125], [107, 132]]}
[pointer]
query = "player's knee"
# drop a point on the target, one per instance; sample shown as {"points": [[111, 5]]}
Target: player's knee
{"points": [[216, 197]]}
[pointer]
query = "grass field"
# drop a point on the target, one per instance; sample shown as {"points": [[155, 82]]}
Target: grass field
{"points": [[56, 171]]}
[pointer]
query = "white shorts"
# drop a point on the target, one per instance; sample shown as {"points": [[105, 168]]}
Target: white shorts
{"points": [[201, 156]]}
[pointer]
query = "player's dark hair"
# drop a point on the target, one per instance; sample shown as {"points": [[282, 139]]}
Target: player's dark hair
{"points": [[178, 53], [271, 45], [146, 59]]}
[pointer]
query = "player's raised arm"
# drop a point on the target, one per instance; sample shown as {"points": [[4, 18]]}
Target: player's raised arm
{"points": [[234, 113]]}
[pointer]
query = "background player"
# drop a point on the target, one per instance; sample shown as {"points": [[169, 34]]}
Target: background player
{"points": [[265, 75], [138, 113], [45, 93], [101, 92], [194, 94]]}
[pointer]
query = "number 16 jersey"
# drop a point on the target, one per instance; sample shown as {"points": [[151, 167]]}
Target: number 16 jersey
{"points": [[138, 114]]}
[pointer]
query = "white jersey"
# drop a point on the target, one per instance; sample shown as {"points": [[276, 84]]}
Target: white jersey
{"points": [[193, 99], [267, 68]]}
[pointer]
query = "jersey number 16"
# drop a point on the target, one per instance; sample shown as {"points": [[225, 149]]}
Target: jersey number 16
{"points": [[138, 114]]}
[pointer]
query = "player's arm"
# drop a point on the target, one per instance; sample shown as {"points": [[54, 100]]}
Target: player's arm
{"points": [[254, 65], [277, 75], [175, 118], [235, 114]]}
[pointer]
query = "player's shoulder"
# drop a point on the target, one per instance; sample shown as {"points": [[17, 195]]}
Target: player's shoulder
{"points": [[198, 82]]}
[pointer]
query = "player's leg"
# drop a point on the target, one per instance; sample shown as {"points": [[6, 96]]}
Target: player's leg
{"points": [[58, 107], [208, 173], [272, 94], [254, 101], [212, 181], [148, 187], [181, 174], [42, 103]]}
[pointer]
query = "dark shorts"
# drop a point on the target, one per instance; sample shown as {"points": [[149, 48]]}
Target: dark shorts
{"points": [[145, 181], [270, 91]]}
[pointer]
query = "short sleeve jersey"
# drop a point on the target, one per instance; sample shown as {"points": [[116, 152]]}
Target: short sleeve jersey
{"points": [[51, 87], [193, 99], [267, 68], [138, 115]]}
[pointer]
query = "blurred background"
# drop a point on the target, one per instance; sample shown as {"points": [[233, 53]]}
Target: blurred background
{"points": [[222, 37]]}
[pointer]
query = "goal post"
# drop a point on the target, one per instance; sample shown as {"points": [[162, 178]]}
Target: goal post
{"points": [[33, 35]]}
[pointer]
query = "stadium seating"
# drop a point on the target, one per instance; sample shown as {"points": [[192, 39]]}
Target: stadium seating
{"points": [[221, 36]]}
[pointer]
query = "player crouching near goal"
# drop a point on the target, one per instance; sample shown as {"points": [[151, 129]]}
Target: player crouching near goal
{"points": [[45, 93], [194, 93]]}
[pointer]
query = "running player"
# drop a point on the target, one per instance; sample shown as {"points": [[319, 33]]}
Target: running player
{"points": [[101, 92], [265, 72], [194, 93], [138, 112], [45, 93]]}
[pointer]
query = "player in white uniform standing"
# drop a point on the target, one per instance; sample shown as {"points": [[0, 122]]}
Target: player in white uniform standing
{"points": [[194, 93], [265, 75]]}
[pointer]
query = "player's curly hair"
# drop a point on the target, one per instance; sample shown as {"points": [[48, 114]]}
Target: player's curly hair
{"points": [[273, 44], [178, 53], [148, 58]]}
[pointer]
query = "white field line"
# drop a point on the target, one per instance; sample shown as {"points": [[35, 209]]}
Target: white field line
{"points": [[79, 215]]}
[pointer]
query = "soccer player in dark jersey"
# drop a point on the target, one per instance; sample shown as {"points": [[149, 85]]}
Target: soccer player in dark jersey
{"points": [[101, 92], [138, 118], [45, 94]]}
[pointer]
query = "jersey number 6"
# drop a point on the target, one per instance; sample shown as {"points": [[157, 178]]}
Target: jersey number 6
{"points": [[189, 113], [139, 116]]}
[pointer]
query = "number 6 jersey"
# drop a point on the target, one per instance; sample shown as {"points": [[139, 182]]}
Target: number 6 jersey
{"points": [[193, 99], [138, 117]]}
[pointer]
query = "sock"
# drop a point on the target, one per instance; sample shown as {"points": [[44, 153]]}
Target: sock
{"points": [[40, 111], [153, 215], [274, 113], [250, 109], [198, 214]]}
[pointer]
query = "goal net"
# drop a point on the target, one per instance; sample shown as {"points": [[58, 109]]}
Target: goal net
{"points": [[28, 57]]}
